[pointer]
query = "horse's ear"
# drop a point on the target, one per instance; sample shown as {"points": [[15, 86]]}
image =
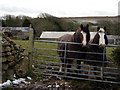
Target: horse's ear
{"points": [[98, 28], [105, 28], [87, 26], [74, 37], [81, 26]]}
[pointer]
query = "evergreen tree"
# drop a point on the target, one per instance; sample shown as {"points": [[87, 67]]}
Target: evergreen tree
{"points": [[3, 24], [26, 23]]}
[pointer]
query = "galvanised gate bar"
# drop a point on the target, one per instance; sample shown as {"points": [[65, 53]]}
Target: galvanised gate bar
{"points": [[46, 61]]}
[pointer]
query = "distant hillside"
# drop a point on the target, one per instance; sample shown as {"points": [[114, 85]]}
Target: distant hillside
{"points": [[50, 23], [93, 20]]}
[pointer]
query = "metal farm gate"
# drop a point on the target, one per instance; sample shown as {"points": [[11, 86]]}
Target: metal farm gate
{"points": [[44, 60], [47, 62]]}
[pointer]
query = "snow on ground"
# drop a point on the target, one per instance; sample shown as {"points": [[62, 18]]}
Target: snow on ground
{"points": [[9, 83], [6, 84], [29, 78], [57, 85]]}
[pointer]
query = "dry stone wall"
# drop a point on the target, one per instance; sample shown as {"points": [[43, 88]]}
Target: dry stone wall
{"points": [[14, 61]]}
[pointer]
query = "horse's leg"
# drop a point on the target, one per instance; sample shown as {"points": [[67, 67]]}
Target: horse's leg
{"points": [[78, 66], [60, 70], [89, 72], [95, 73], [101, 74], [62, 66], [69, 65]]}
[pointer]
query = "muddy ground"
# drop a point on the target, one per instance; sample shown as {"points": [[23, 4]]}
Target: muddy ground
{"points": [[57, 83]]}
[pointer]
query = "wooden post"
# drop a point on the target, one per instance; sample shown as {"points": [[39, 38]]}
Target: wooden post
{"points": [[114, 41], [30, 48]]}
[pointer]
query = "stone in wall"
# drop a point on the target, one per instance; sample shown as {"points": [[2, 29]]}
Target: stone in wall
{"points": [[10, 64], [4, 66], [4, 59], [22, 67], [10, 58], [10, 74]]}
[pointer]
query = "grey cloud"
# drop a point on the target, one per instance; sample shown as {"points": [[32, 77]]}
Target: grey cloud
{"points": [[98, 12], [119, 8], [12, 9]]}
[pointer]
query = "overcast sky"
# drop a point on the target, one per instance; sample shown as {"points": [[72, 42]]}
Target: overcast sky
{"points": [[60, 8]]}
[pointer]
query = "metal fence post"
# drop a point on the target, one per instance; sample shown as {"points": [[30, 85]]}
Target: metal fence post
{"points": [[0, 51], [65, 57], [103, 62], [30, 48]]}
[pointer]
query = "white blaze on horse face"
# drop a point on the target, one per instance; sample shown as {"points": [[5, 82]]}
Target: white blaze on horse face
{"points": [[101, 34], [84, 38]]}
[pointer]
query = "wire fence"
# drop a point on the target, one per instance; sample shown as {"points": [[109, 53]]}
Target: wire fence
{"points": [[46, 61]]}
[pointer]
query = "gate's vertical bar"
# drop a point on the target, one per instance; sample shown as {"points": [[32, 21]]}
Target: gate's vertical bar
{"points": [[30, 48], [118, 31], [103, 62], [0, 51], [65, 57]]}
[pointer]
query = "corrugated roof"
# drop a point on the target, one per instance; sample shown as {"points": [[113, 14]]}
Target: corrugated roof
{"points": [[56, 35], [53, 35]]}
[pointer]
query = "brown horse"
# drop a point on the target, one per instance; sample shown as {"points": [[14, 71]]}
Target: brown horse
{"points": [[82, 36], [101, 39]]}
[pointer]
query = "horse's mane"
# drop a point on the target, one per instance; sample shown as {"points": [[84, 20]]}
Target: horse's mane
{"points": [[96, 39], [76, 36]]}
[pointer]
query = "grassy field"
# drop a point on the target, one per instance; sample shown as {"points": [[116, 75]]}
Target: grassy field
{"points": [[43, 45], [25, 44]]}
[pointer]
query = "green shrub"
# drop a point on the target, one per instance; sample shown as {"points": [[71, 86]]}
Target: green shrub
{"points": [[116, 56]]}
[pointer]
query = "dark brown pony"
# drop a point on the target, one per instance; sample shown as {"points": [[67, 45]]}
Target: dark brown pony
{"points": [[101, 39], [82, 36]]}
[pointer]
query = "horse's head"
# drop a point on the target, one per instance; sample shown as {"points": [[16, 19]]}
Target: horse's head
{"points": [[101, 37], [85, 34], [82, 35]]}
